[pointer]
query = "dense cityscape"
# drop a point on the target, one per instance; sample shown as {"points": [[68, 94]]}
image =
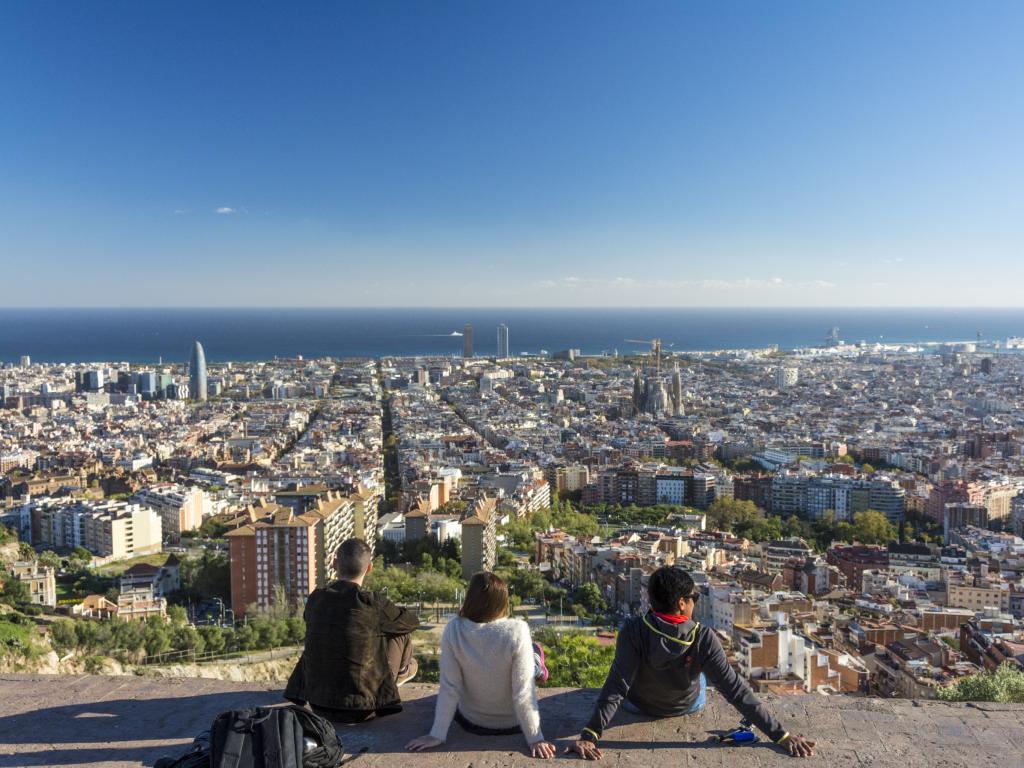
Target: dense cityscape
{"points": [[851, 513]]}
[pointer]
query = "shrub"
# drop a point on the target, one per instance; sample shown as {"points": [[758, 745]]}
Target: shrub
{"points": [[1004, 685], [575, 659]]}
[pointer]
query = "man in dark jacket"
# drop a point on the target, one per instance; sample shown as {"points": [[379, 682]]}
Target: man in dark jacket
{"points": [[358, 646], [662, 663]]}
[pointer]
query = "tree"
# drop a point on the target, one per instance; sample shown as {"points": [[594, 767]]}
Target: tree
{"points": [[205, 577], [296, 630], [872, 527], [526, 583], [793, 526], [590, 598], [731, 514], [213, 528], [867, 469], [214, 639], [764, 530], [186, 638], [245, 637], [14, 591], [51, 559], [157, 640], [177, 615], [62, 635]]}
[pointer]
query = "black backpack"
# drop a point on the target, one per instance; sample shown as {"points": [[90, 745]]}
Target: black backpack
{"points": [[264, 737], [256, 738]]}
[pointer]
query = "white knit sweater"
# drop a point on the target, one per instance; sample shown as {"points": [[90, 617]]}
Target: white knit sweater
{"points": [[487, 673]]}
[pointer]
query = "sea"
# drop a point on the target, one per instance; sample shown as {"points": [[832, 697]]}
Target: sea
{"points": [[151, 335]]}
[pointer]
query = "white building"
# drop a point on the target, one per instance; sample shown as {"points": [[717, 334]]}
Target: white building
{"points": [[670, 488], [786, 377], [181, 508]]}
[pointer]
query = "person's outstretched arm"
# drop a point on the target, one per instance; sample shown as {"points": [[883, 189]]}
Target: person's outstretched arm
{"points": [[616, 686], [524, 693], [716, 666], [449, 693]]}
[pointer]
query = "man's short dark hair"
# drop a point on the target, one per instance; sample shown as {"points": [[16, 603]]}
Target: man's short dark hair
{"points": [[666, 586], [353, 558]]}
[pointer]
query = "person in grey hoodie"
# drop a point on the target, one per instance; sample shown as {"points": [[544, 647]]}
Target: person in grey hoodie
{"points": [[663, 661]]}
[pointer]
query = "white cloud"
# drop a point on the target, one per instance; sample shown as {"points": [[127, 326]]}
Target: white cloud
{"points": [[224, 210]]}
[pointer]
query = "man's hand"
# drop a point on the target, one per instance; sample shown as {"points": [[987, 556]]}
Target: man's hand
{"points": [[542, 749], [798, 746], [585, 748]]}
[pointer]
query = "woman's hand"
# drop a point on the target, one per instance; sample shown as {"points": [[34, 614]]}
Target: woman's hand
{"points": [[542, 749], [423, 742]]}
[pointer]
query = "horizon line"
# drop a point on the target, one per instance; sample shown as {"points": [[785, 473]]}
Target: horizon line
{"points": [[493, 308]]}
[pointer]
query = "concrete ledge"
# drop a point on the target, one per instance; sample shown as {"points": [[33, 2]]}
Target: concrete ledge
{"points": [[131, 721]]}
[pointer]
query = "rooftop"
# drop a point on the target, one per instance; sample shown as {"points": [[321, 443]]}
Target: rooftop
{"points": [[131, 721]]}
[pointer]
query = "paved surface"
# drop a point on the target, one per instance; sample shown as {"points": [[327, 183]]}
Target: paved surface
{"points": [[130, 721]]}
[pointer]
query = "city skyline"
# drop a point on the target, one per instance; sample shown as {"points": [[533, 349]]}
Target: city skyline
{"points": [[843, 155]]}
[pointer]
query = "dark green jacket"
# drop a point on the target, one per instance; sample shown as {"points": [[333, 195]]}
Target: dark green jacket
{"points": [[345, 662]]}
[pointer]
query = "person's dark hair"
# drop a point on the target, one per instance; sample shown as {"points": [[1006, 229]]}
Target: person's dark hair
{"points": [[666, 586], [353, 558], [486, 598]]}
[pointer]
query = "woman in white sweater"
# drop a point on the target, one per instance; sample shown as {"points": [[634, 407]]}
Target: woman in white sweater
{"points": [[488, 672]]}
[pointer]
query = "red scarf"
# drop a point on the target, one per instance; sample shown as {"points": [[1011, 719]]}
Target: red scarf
{"points": [[670, 619]]}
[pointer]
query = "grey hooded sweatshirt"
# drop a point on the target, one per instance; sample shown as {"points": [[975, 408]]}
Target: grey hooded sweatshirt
{"points": [[657, 667]]}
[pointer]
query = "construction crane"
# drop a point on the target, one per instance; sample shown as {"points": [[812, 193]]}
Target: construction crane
{"points": [[655, 348]]}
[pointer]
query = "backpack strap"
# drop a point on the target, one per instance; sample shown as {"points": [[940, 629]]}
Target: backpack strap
{"points": [[268, 740], [235, 737]]}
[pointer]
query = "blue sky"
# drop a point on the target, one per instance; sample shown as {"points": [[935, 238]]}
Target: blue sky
{"points": [[512, 154]]}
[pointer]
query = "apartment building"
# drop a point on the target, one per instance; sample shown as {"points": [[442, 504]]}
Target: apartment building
{"points": [[853, 560], [778, 552], [570, 478], [181, 508], [815, 495], [977, 592], [277, 554], [109, 529], [479, 537]]}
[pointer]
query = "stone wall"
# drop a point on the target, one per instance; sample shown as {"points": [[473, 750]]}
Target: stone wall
{"points": [[130, 721]]}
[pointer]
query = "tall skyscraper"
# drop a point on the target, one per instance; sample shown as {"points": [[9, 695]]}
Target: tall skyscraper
{"points": [[197, 373], [502, 340], [467, 340], [677, 392]]}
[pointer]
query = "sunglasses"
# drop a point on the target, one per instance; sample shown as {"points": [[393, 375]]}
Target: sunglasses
{"points": [[694, 597]]}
